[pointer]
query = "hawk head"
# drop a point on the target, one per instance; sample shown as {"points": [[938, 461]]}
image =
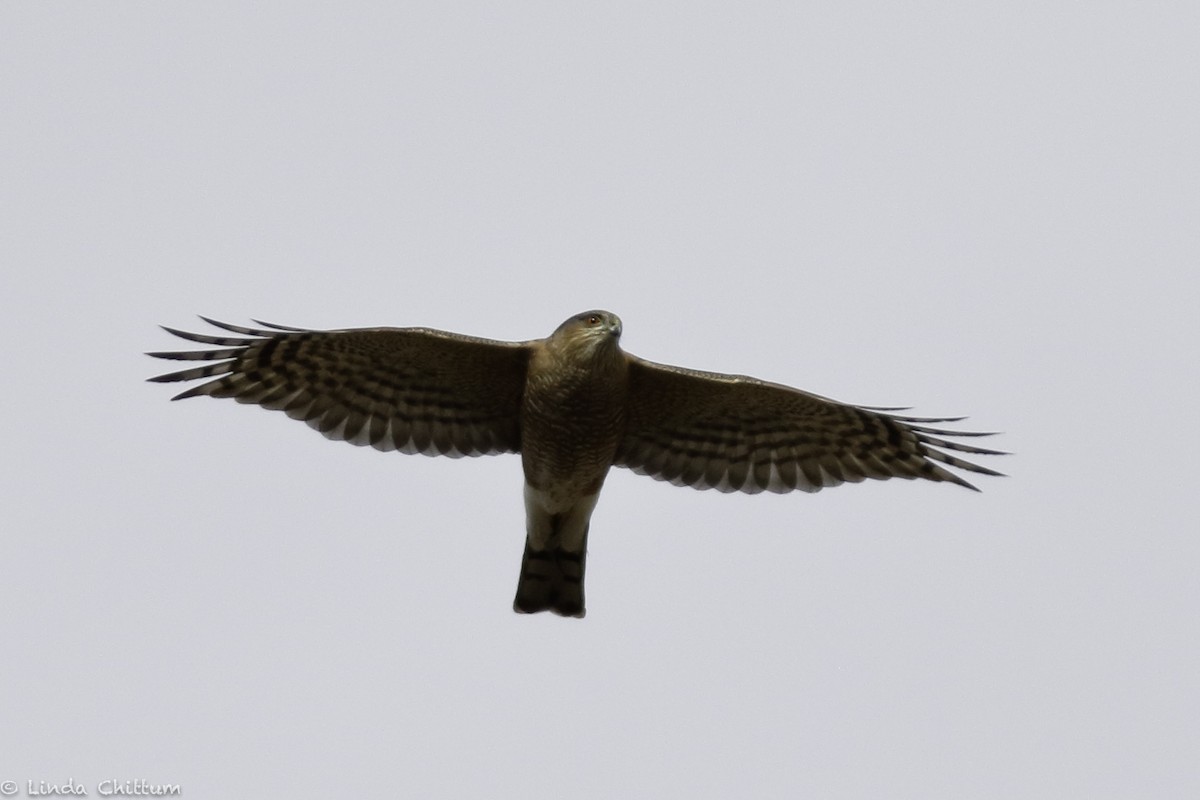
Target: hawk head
{"points": [[590, 334]]}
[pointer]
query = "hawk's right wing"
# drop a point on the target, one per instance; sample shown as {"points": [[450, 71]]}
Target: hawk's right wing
{"points": [[409, 389]]}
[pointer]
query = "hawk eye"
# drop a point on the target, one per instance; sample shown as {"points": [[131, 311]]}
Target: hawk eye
{"points": [[593, 319]]}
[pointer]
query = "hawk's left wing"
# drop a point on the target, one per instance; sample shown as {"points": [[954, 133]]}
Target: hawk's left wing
{"points": [[736, 433]]}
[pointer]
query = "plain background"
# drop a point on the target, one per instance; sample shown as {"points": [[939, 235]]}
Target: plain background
{"points": [[979, 208]]}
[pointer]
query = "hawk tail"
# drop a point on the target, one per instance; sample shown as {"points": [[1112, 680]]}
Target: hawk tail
{"points": [[551, 580]]}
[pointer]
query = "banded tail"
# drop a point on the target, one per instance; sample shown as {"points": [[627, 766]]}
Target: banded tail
{"points": [[551, 580]]}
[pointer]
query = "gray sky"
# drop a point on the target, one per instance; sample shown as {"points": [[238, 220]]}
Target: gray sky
{"points": [[985, 209]]}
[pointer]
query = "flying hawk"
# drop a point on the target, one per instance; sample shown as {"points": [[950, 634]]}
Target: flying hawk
{"points": [[573, 405]]}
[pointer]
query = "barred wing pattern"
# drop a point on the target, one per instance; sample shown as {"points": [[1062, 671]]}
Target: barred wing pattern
{"points": [[409, 389], [736, 433]]}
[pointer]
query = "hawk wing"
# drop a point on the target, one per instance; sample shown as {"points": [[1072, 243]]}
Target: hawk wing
{"points": [[409, 389], [735, 433]]}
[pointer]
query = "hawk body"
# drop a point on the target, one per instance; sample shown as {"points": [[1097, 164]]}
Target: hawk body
{"points": [[572, 417], [573, 405]]}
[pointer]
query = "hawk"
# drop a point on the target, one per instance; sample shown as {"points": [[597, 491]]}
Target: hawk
{"points": [[573, 405]]}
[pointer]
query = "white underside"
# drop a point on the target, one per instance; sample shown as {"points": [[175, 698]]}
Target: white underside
{"points": [[540, 509]]}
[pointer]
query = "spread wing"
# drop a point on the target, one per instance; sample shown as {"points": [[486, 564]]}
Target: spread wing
{"points": [[409, 389], [734, 433]]}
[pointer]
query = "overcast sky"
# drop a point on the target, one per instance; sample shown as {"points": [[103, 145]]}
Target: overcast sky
{"points": [[970, 208]]}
